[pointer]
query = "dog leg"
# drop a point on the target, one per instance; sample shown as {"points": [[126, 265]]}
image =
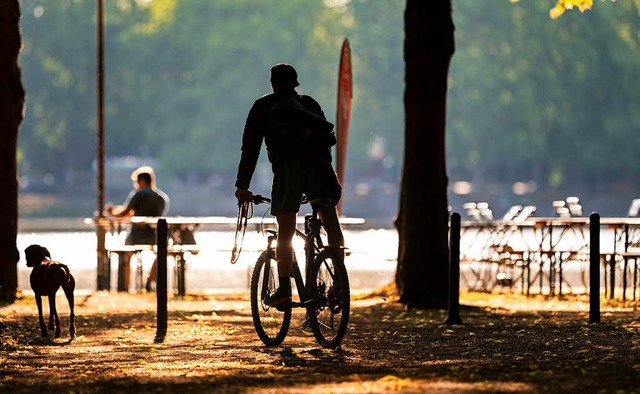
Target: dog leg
{"points": [[43, 327], [68, 291], [53, 312]]}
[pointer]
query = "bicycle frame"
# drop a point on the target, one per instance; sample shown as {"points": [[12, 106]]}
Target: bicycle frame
{"points": [[319, 293], [312, 246]]}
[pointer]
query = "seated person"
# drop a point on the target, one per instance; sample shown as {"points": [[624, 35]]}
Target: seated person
{"points": [[144, 200]]}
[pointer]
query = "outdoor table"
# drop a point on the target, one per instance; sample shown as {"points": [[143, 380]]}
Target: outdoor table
{"points": [[552, 248], [177, 251], [626, 232]]}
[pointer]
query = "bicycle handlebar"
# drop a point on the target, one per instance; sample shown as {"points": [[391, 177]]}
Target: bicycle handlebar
{"points": [[316, 203], [258, 199]]}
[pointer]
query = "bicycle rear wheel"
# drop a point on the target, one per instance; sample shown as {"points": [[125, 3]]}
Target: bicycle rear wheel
{"points": [[329, 287], [271, 325]]}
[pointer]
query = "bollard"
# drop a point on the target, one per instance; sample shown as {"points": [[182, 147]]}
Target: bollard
{"points": [[161, 280], [454, 271], [594, 268]]}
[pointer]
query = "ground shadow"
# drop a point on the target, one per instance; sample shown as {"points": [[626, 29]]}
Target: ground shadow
{"points": [[204, 349]]}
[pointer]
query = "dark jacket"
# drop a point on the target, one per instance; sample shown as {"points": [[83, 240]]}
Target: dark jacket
{"points": [[259, 127], [145, 202]]}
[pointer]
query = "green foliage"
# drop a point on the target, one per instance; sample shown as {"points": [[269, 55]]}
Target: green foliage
{"points": [[180, 76], [552, 101], [530, 97]]}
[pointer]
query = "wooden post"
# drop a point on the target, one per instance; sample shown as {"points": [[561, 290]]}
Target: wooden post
{"points": [[161, 281], [454, 271], [594, 268]]}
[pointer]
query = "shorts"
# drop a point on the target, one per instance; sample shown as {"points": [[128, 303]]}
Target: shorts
{"points": [[297, 176]]}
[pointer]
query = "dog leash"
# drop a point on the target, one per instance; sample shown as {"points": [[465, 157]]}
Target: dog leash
{"points": [[245, 212]]}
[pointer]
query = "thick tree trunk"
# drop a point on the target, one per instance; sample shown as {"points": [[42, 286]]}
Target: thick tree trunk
{"points": [[422, 220], [11, 114]]}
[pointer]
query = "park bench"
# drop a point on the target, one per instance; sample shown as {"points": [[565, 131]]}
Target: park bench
{"points": [[176, 252]]}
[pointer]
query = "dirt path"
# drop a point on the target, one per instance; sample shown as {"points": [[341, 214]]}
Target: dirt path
{"points": [[507, 343]]}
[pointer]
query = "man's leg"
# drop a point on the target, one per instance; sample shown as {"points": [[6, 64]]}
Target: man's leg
{"points": [[329, 217], [284, 256], [331, 224], [284, 249]]}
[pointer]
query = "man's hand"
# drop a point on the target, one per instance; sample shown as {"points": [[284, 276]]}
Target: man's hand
{"points": [[243, 195], [118, 211]]}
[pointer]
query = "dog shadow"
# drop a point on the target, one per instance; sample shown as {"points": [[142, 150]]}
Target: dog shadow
{"points": [[50, 341]]}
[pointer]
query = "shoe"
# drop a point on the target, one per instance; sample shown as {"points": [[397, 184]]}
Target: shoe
{"points": [[279, 300]]}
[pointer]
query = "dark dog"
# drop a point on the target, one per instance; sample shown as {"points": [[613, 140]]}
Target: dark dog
{"points": [[46, 278]]}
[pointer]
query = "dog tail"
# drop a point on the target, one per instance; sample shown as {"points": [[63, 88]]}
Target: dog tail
{"points": [[58, 273]]}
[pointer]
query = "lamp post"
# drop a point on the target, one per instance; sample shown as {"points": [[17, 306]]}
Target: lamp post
{"points": [[103, 269]]}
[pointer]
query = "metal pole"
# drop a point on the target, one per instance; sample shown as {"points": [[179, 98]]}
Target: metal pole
{"points": [[594, 268], [104, 269], [161, 281], [180, 274], [454, 271], [625, 262]]}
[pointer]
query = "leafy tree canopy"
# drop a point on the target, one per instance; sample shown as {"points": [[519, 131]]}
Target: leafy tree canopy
{"points": [[530, 98]]}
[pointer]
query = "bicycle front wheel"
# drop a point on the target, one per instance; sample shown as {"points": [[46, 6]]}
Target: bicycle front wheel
{"points": [[329, 287], [271, 325]]}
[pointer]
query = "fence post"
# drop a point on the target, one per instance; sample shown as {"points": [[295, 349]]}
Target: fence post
{"points": [[594, 268], [454, 271], [161, 281]]}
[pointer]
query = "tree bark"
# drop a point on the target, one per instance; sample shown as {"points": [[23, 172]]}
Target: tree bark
{"points": [[12, 98], [422, 220]]}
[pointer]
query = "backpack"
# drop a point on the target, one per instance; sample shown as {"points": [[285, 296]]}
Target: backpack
{"points": [[299, 127]]}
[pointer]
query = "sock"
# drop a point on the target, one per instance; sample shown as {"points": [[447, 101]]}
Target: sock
{"points": [[285, 284]]}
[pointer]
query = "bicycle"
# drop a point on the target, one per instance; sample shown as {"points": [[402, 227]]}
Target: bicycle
{"points": [[325, 293]]}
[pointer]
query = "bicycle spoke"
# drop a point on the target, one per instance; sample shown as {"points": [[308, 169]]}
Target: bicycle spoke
{"points": [[331, 325], [271, 325], [264, 289], [329, 270], [330, 312]]}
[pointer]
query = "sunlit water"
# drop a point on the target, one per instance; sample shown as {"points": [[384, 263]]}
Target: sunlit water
{"points": [[371, 263]]}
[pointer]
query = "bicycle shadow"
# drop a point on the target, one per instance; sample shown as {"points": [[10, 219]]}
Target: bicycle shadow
{"points": [[301, 357]]}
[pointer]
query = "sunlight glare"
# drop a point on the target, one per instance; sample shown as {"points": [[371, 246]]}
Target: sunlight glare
{"points": [[336, 3]]}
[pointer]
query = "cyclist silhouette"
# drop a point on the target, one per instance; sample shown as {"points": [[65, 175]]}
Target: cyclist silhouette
{"points": [[298, 139]]}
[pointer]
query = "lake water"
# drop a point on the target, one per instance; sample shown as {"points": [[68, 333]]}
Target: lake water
{"points": [[371, 264]]}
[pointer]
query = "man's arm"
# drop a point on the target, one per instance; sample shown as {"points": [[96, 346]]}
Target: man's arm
{"points": [[123, 210], [251, 144]]}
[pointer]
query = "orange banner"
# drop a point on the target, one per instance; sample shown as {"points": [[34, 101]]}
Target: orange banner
{"points": [[345, 94]]}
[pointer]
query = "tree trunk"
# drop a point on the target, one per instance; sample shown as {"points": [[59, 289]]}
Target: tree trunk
{"points": [[422, 221], [11, 115]]}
